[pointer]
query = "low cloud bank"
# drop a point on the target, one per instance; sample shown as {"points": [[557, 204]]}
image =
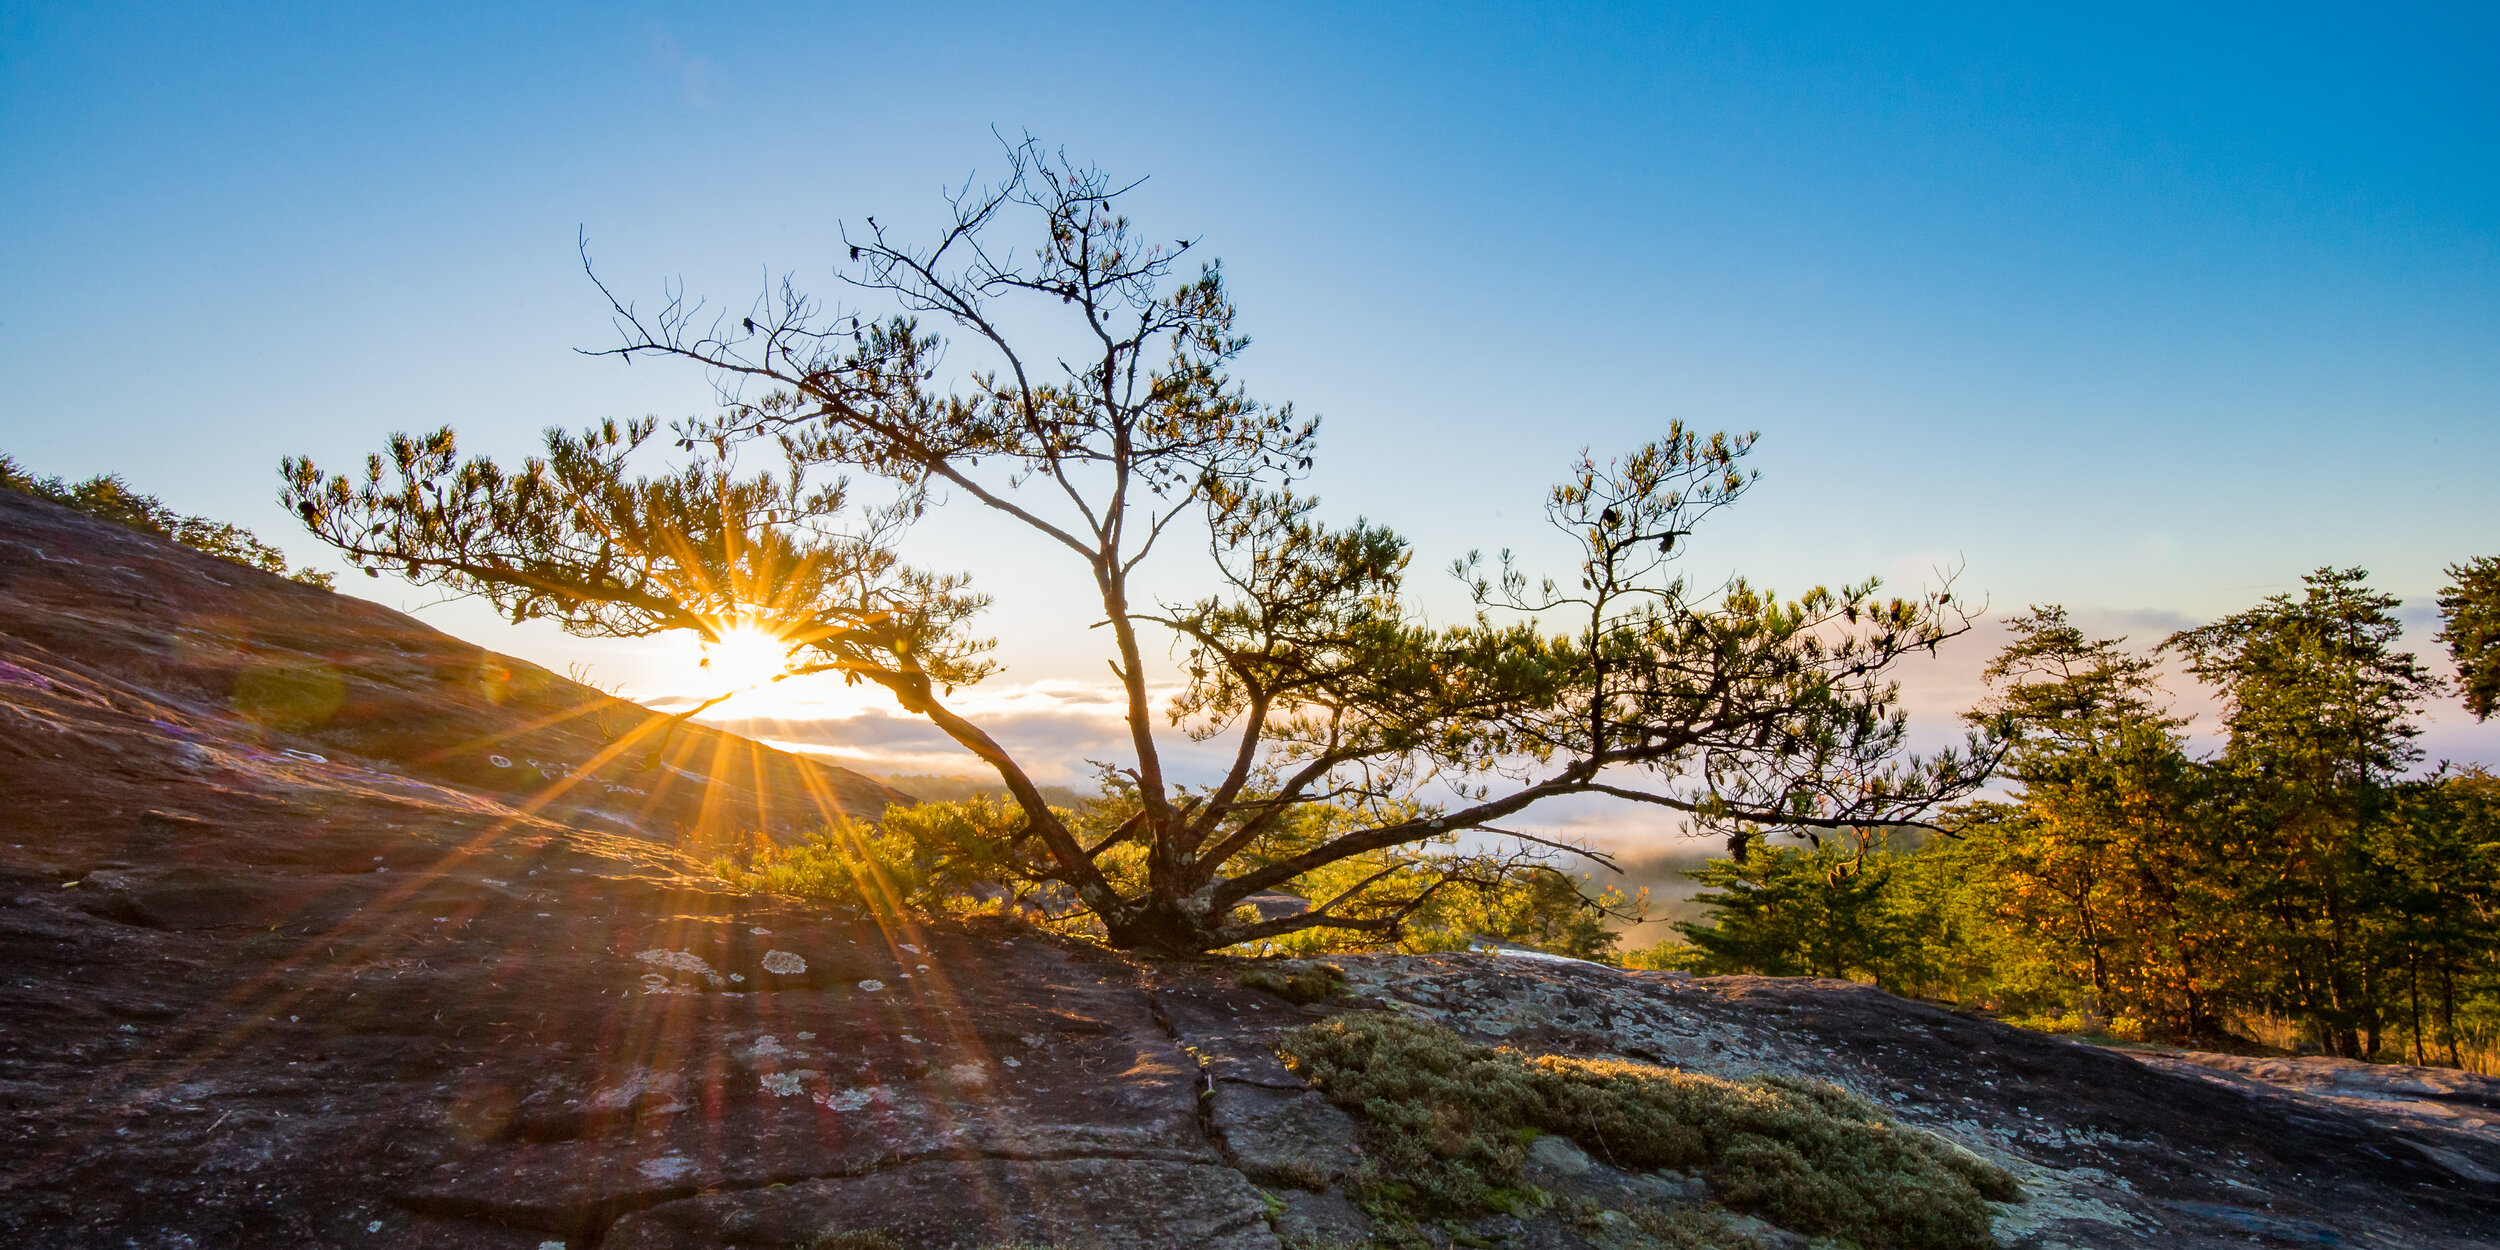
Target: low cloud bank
{"points": [[1055, 729], [1058, 727]]}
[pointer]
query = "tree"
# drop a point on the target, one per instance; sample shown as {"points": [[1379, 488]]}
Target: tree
{"points": [[2441, 922], [2320, 707], [2107, 864], [1799, 911], [1110, 432], [2470, 607]]}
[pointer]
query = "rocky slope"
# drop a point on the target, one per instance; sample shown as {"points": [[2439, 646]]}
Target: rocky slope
{"points": [[317, 973], [128, 654]]}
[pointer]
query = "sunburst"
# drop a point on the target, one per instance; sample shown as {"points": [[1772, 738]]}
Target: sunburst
{"points": [[745, 657]]}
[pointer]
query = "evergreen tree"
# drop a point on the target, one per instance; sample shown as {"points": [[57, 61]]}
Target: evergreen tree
{"points": [[2300, 872], [2106, 867], [1799, 911], [2440, 927], [2470, 606], [2320, 709]]}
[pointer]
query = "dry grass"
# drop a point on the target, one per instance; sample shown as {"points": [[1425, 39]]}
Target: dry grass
{"points": [[2477, 1047], [1451, 1121]]}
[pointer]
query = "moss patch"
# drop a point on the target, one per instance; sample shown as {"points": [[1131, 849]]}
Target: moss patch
{"points": [[1295, 981], [1687, 1228], [837, 1239], [1451, 1121]]}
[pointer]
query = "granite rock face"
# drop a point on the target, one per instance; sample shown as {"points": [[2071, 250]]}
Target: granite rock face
{"points": [[327, 985], [979, 1202]]}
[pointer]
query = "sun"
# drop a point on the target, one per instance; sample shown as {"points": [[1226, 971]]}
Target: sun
{"points": [[745, 657]]}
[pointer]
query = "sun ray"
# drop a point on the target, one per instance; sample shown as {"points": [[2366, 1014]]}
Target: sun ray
{"points": [[745, 657]]}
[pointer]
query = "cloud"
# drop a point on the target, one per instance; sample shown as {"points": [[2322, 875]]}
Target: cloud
{"points": [[1053, 729]]}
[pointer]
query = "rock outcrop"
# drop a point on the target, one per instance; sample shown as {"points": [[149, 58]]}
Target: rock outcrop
{"points": [[300, 978]]}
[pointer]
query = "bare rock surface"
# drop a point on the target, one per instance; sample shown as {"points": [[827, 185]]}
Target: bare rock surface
{"points": [[1077, 1202], [331, 985], [2431, 1101]]}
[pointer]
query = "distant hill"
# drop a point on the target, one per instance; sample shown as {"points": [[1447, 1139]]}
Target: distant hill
{"points": [[931, 788]]}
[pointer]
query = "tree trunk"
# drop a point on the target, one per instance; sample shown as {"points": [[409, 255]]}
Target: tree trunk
{"points": [[1162, 927], [2413, 990], [2448, 1012]]}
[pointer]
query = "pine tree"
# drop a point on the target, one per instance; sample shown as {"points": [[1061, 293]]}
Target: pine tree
{"points": [[2105, 866], [2470, 606], [1725, 705], [2320, 708]]}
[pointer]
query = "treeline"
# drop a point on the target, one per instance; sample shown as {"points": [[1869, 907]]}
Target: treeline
{"points": [[2307, 879], [108, 497]]}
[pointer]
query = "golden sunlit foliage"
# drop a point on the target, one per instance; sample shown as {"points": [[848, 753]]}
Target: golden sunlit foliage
{"points": [[926, 857], [2299, 881], [977, 855]]}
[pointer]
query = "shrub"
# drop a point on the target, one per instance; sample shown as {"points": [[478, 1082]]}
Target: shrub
{"points": [[962, 856], [978, 853], [1669, 955], [924, 857]]}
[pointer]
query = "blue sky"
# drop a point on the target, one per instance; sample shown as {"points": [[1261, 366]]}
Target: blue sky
{"points": [[2138, 309]]}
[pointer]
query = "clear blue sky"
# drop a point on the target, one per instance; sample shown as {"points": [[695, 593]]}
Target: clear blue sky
{"points": [[2145, 310]]}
